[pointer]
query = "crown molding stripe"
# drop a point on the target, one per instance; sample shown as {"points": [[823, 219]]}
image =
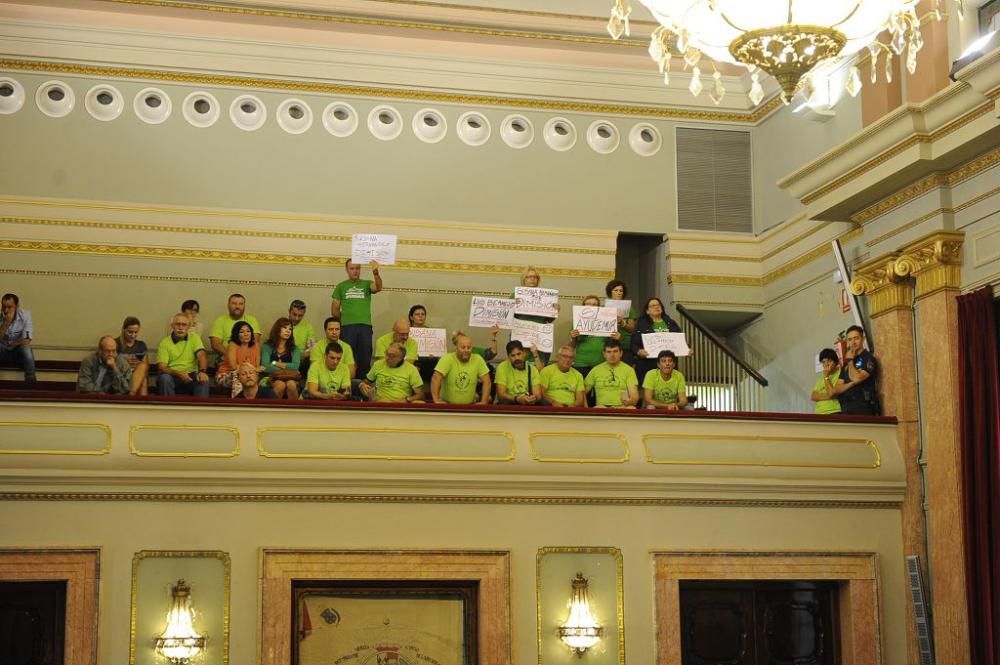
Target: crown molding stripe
{"points": [[930, 215], [719, 280], [390, 93]]}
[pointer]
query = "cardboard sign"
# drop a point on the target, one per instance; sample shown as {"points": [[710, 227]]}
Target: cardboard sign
{"points": [[529, 332], [660, 341], [536, 302], [622, 306], [488, 312], [431, 342], [595, 321], [368, 247]]}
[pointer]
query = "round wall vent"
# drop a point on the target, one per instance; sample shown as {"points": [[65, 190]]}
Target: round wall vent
{"points": [[248, 113], [603, 137], [340, 119], [429, 125], [152, 105], [201, 109], [385, 123], [11, 95], [517, 131], [645, 139], [55, 99], [295, 116], [560, 134], [473, 128], [104, 102]]}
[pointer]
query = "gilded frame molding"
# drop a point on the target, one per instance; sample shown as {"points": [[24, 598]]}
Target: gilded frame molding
{"points": [[103, 451], [138, 453], [619, 590], [141, 555], [581, 460], [261, 451], [870, 444]]}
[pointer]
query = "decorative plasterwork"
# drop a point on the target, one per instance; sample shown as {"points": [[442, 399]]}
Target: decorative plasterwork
{"points": [[886, 290], [935, 261]]}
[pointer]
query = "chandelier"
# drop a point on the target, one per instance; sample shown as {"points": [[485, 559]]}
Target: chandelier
{"points": [[795, 41]]}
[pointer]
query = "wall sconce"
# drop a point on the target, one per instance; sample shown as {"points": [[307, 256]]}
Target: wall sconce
{"points": [[179, 642], [581, 630]]}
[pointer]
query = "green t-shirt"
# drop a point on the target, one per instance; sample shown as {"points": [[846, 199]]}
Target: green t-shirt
{"points": [[560, 386], [665, 390], [329, 380], [180, 356], [661, 326], [302, 333], [222, 327], [394, 383], [517, 381], [346, 357], [626, 336], [610, 382], [460, 379], [589, 351], [383, 342], [355, 301], [826, 406]]}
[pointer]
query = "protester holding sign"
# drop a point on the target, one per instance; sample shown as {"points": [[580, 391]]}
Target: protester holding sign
{"points": [[617, 292], [653, 319], [589, 348], [352, 303], [531, 278]]}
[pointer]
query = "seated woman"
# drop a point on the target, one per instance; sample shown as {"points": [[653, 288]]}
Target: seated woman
{"points": [[135, 352], [241, 349], [281, 358]]}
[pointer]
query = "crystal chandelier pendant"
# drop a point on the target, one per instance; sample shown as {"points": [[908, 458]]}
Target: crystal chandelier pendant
{"points": [[888, 67], [695, 86], [756, 90], [853, 82], [718, 90]]}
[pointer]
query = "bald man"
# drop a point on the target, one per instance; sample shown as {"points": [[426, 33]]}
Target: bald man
{"points": [[458, 372], [105, 371], [400, 335]]}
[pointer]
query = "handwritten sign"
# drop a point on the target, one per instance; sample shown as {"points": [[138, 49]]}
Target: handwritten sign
{"points": [[536, 302], [622, 306], [660, 341], [431, 342], [368, 247], [595, 321], [488, 312], [529, 332]]}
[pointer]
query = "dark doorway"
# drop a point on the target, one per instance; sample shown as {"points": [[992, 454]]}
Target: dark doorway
{"points": [[759, 623], [636, 264], [32, 623]]}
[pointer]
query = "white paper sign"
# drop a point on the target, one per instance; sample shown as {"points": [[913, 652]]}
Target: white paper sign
{"points": [[529, 332], [595, 321], [660, 341], [536, 302], [368, 247], [488, 312], [622, 306], [431, 342]]}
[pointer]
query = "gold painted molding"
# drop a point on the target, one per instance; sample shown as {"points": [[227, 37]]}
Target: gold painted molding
{"points": [[389, 93], [879, 280], [27, 451], [184, 428], [871, 445], [384, 430], [163, 497], [582, 460], [934, 261], [619, 590], [135, 251], [934, 213], [192, 554], [717, 280]]}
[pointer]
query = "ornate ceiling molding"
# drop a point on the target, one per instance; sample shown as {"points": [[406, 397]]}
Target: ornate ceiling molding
{"points": [[887, 290], [934, 261]]}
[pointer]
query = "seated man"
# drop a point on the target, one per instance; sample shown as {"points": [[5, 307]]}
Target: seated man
{"points": [[105, 371], [457, 373], [400, 335], [517, 381], [16, 333], [394, 380], [222, 327], [664, 387], [329, 378], [614, 383], [247, 382], [182, 361], [302, 330], [331, 326], [561, 383]]}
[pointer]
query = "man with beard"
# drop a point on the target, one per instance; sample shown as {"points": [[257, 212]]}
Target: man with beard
{"points": [[858, 394], [392, 380], [457, 373], [561, 383], [400, 335], [517, 381], [247, 380], [222, 327]]}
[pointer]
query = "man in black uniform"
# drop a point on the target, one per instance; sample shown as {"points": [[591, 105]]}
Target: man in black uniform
{"points": [[858, 394]]}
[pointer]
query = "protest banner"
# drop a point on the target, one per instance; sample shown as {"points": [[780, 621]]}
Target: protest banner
{"points": [[536, 302], [529, 332], [659, 341], [623, 306], [431, 342], [368, 247], [595, 321], [487, 312]]}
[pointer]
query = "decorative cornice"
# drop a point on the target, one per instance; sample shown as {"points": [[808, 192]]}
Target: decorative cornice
{"points": [[885, 288], [932, 214], [313, 87], [808, 257], [934, 261], [718, 280]]}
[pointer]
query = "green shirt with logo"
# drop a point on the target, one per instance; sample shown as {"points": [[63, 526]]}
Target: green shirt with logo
{"points": [[560, 386], [517, 381], [329, 380], [608, 383], [666, 391], [383, 342], [394, 384], [460, 379], [355, 298]]}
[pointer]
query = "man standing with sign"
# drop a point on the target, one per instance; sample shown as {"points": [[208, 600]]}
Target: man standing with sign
{"points": [[352, 302]]}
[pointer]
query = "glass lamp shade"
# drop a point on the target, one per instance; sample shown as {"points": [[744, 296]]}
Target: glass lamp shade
{"points": [[581, 630], [180, 642]]}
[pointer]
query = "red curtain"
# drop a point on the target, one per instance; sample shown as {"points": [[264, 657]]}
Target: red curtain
{"points": [[979, 392]]}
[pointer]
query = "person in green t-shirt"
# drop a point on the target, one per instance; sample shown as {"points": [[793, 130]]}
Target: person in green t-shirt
{"points": [[457, 373], [352, 304], [303, 331], [618, 290], [614, 383], [392, 380], [589, 348], [823, 392], [182, 361], [331, 328], [664, 387], [400, 335], [561, 384], [222, 327], [329, 379], [517, 380]]}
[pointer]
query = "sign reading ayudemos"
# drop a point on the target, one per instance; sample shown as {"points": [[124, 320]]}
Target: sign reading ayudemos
{"points": [[595, 321], [488, 312], [536, 302], [368, 247]]}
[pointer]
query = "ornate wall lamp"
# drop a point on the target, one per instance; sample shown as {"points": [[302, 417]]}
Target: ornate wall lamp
{"points": [[179, 642], [581, 630]]}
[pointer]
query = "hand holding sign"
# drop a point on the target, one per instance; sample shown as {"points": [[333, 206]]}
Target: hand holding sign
{"points": [[595, 321], [655, 342], [537, 302], [488, 312], [533, 334]]}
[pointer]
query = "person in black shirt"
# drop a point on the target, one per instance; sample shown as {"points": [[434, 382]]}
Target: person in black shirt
{"points": [[858, 394]]}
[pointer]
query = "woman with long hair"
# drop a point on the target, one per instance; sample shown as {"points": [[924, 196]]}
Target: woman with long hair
{"points": [[618, 290], [242, 348], [654, 319], [281, 360]]}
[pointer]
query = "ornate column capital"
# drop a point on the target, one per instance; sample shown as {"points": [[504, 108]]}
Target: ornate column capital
{"points": [[887, 289], [934, 261]]}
